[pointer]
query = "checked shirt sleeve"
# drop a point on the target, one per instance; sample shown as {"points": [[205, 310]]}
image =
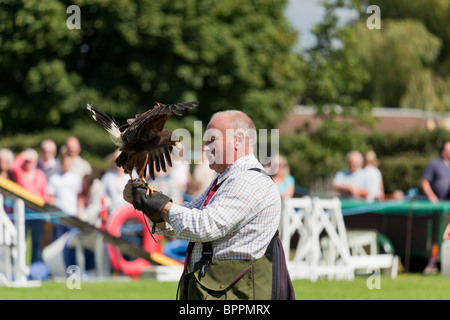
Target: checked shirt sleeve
{"points": [[237, 201]]}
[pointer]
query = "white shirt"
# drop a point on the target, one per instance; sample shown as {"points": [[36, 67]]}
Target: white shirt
{"points": [[240, 219], [65, 187], [357, 179], [113, 185], [374, 182]]}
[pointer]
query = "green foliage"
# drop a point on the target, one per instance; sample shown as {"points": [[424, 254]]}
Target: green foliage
{"points": [[336, 75], [128, 55], [400, 69], [404, 64]]}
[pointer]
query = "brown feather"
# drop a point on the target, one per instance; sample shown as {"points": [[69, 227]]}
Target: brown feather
{"points": [[146, 142]]}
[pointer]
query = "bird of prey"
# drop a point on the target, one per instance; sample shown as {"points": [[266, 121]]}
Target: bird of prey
{"points": [[143, 139]]}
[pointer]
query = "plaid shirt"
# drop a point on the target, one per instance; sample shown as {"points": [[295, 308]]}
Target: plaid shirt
{"points": [[240, 219]]}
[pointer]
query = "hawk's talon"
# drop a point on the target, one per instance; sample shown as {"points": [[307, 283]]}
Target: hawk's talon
{"points": [[151, 189]]}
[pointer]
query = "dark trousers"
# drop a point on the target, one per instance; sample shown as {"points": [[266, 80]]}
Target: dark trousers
{"points": [[35, 228]]}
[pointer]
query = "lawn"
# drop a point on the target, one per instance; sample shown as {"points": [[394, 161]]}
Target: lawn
{"points": [[404, 287]]}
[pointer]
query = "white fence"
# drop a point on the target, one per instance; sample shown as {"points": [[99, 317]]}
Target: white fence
{"points": [[13, 268], [323, 248]]}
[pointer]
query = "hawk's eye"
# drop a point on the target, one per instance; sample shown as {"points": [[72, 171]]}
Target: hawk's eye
{"points": [[210, 140]]}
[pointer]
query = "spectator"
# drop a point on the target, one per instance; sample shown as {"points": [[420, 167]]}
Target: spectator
{"points": [[63, 189], [282, 177], [114, 180], [79, 165], [435, 180], [203, 174], [6, 162], [27, 175], [48, 163], [166, 183], [352, 183], [179, 172], [192, 190], [90, 200], [373, 176]]}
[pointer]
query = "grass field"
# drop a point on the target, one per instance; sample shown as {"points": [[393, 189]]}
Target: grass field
{"points": [[404, 287]]}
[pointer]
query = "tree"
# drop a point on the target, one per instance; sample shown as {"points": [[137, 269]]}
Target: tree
{"points": [[130, 54], [336, 76], [398, 62]]}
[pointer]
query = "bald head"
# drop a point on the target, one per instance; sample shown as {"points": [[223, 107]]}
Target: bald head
{"points": [[238, 120], [355, 160], [73, 146], [229, 136]]}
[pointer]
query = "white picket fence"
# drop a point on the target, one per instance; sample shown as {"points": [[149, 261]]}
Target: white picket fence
{"points": [[13, 268], [323, 248]]}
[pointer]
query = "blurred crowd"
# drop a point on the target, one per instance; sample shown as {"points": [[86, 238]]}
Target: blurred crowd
{"points": [[65, 180]]}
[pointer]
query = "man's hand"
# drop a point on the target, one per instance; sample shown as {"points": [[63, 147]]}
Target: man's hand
{"points": [[135, 192]]}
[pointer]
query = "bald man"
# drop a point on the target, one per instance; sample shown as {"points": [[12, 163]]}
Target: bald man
{"points": [[80, 166], [232, 226], [352, 183]]}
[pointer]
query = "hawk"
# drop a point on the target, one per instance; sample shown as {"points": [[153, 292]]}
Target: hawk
{"points": [[143, 139]]}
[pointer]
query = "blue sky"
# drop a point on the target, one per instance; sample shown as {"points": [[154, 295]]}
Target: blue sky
{"points": [[304, 14]]}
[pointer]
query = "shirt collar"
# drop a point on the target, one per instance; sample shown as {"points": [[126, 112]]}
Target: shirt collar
{"points": [[241, 164]]}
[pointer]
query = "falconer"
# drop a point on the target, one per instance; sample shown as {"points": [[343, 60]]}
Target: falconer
{"points": [[234, 250]]}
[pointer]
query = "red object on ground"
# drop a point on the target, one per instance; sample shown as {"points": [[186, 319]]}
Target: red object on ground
{"points": [[132, 268]]}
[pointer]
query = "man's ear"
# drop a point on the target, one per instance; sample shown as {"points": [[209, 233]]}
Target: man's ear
{"points": [[239, 140]]}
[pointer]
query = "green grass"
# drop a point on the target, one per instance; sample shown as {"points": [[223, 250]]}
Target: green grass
{"points": [[404, 287]]}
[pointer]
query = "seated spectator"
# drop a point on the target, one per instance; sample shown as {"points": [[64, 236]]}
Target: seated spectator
{"points": [[352, 183], [281, 176], [114, 180], [90, 200], [6, 162], [48, 163], [373, 176], [79, 166], [63, 189]]}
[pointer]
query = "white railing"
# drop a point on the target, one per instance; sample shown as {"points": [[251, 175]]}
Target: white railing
{"points": [[323, 248], [13, 268]]}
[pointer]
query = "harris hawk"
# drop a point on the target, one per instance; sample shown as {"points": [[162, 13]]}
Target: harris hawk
{"points": [[143, 140]]}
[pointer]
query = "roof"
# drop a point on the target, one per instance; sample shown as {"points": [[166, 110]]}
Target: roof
{"points": [[397, 120]]}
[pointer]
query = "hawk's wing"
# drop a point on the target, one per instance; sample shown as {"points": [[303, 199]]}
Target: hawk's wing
{"points": [[146, 125]]}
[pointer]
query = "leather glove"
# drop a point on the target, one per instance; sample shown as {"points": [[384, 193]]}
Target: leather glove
{"points": [[151, 204]]}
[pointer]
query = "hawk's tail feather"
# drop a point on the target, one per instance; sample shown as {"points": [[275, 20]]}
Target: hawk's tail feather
{"points": [[107, 123]]}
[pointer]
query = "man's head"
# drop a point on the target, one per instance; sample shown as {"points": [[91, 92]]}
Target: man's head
{"points": [[355, 160], [30, 157], [48, 149], [73, 146], [445, 151], [229, 136]]}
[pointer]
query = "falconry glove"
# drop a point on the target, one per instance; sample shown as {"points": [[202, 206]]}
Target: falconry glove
{"points": [[151, 204]]}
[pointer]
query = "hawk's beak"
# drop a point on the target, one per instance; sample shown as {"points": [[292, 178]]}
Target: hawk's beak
{"points": [[178, 143]]}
